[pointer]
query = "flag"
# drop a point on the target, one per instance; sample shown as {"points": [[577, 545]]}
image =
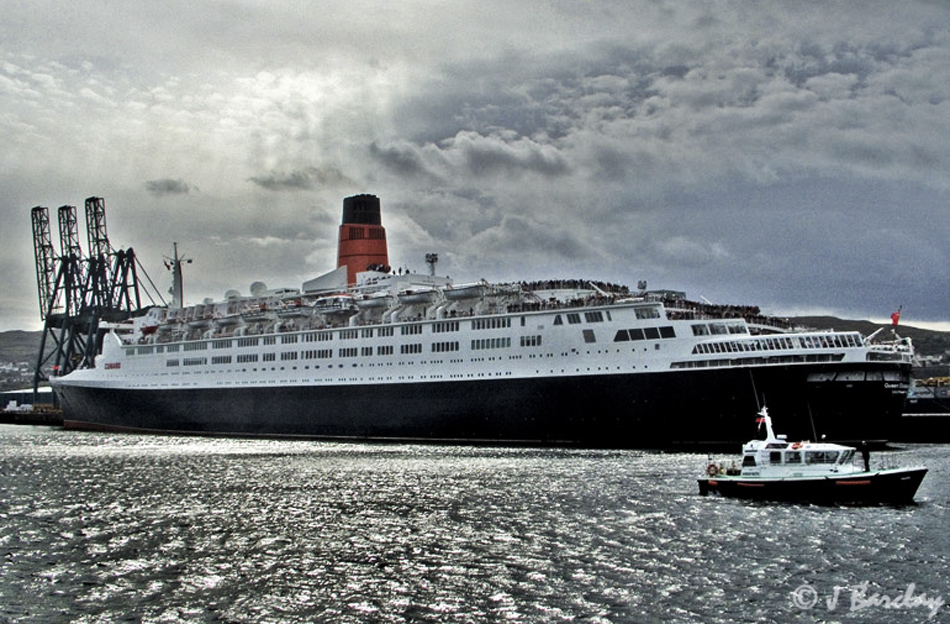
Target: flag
{"points": [[896, 317]]}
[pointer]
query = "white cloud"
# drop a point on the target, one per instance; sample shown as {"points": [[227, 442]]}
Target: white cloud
{"points": [[676, 140]]}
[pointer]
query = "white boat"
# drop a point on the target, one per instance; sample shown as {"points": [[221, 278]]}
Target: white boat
{"points": [[465, 291], [815, 472], [336, 305], [561, 362], [418, 295], [380, 299]]}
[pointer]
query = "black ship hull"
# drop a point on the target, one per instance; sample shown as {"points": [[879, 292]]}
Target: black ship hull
{"points": [[642, 410], [896, 486]]}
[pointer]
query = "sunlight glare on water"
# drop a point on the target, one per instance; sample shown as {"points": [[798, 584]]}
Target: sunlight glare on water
{"points": [[101, 528]]}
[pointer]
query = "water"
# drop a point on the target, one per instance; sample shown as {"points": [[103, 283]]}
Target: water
{"points": [[98, 528]]}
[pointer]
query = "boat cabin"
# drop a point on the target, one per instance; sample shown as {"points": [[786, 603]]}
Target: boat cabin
{"points": [[775, 456]]}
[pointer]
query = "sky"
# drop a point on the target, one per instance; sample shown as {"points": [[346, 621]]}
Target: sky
{"points": [[790, 155]]}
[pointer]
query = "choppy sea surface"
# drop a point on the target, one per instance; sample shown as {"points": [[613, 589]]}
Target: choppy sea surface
{"points": [[125, 528]]}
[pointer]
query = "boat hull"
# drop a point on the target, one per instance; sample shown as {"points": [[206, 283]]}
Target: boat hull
{"points": [[636, 410], [895, 486]]}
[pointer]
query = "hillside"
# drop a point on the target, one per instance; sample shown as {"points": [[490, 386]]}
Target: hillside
{"points": [[926, 342], [19, 346]]}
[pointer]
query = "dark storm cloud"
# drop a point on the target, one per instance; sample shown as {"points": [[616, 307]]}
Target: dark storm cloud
{"points": [[302, 180], [167, 186]]}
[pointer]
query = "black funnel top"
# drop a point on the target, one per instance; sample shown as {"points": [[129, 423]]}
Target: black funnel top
{"points": [[361, 210]]}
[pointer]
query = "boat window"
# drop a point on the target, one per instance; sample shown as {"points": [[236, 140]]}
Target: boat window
{"points": [[557, 320], [652, 333], [622, 336], [636, 334], [846, 456], [700, 330], [748, 461], [667, 332], [821, 457], [589, 336], [775, 457], [793, 457]]}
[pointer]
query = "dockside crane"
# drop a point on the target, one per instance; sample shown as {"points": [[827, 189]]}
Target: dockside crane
{"points": [[77, 291]]}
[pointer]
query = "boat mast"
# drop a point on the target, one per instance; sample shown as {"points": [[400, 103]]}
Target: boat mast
{"points": [[764, 416]]}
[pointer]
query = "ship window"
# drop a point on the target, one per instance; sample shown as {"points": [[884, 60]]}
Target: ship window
{"points": [[558, 320], [384, 350], [636, 334], [846, 456], [269, 357], [647, 313], [367, 333], [700, 330], [748, 461], [775, 457], [171, 362], [573, 318], [594, 317], [793, 457], [652, 333], [667, 332], [385, 332], [622, 336], [718, 328], [589, 336]]}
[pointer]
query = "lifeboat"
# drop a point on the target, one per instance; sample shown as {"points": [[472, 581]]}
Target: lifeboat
{"points": [[465, 291]]}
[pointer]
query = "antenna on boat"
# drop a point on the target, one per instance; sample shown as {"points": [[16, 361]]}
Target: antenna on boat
{"points": [[755, 393], [814, 432]]}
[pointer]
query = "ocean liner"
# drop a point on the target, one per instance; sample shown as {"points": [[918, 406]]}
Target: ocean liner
{"points": [[366, 352]]}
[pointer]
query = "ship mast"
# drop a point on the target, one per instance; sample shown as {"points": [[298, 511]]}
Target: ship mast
{"points": [[177, 289]]}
